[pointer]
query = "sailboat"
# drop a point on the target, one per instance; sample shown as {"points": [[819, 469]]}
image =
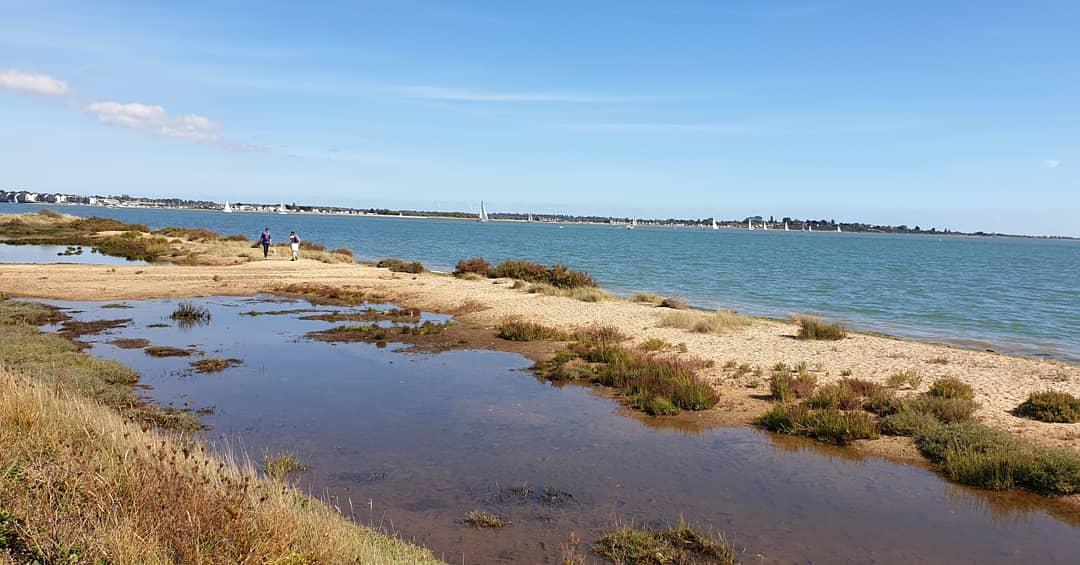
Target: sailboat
{"points": [[785, 227], [483, 213], [714, 226], [749, 224], [764, 225], [530, 220], [227, 209], [838, 228], [281, 208], [632, 224]]}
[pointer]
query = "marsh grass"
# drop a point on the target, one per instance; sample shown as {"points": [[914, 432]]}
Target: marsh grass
{"points": [[1050, 406], [677, 545], [401, 266], [784, 385], [828, 425], [167, 351], [130, 343], [426, 328], [214, 365], [584, 294], [814, 328], [192, 313], [324, 294], [481, 519], [647, 298], [675, 303], [514, 329], [951, 387], [909, 378], [282, 465], [979, 456], [653, 344], [75, 328], [719, 322]]}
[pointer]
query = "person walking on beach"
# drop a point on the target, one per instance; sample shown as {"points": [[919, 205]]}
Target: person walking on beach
{"points": [[294, 242], [264, 239]]}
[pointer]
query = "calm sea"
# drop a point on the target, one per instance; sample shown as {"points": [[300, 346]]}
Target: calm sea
{"points": [[1008, 294]]}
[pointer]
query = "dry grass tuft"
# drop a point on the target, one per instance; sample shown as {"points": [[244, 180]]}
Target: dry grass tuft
{"points": [[721, 321], [811, 327], [481, 519]]}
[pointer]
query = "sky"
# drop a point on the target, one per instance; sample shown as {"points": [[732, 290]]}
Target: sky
{"points": [[959, 115]]}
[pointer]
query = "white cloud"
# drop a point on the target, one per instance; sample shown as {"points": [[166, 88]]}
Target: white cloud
{"points": [[465, 95], [1051, 163], [32, 83], [156, 121]]}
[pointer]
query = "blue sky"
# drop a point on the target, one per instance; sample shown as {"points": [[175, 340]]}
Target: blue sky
{"points": [[954, 114]]}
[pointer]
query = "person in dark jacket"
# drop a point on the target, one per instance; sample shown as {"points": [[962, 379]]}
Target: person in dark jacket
{"points": [[265, 241], [294, 243]]}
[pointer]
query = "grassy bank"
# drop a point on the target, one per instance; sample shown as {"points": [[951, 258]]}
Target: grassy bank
{"points": [[85, 478]]}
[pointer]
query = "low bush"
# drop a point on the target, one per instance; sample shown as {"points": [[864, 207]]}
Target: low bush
{"points": [[134, 248], [838, 396], [400, 266], [717, 322], [785, 386], [828, 425], [236, 237], [1050, 406], [476, 265], [951, 387], [816, 328], [647, 298], [979, 456], [342, 251], [312, 246], [190, 234], [675, 303]]}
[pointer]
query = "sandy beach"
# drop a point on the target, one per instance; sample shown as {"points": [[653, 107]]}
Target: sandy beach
{"points": [[1000, 381]]}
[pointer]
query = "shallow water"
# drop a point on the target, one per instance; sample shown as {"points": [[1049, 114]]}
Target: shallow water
{"points": [[416, 441], [40, 254], [1009, 294]]}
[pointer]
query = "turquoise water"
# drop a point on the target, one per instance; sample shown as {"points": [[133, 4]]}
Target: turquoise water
{"points": [[1008, 294]]}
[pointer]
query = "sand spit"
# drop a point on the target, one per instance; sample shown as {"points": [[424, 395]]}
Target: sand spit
{"points": [[1001, 382]]}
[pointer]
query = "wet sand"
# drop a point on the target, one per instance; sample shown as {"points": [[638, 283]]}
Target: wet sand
{"points": [[1001, 382]]}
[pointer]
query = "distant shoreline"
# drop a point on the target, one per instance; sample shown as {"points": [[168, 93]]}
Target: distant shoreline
{"points": [[548, 219]]}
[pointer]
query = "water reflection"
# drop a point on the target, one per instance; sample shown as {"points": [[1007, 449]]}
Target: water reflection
{"points": [[418, 440]]}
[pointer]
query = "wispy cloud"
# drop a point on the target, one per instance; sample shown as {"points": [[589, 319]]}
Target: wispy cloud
{"points": [[154, 120], [1051, 163], [660, 127], [32, 83], [468, 95]]}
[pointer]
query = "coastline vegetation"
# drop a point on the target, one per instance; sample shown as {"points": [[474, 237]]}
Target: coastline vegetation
{"points": [[1050, 406], [558, 276], [718, 322], [679, 544], [811, 327], [401, 266], [73, 434], [214, 364]]}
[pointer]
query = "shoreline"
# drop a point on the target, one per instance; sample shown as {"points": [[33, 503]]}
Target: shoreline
{"points": [[1001, 381]]}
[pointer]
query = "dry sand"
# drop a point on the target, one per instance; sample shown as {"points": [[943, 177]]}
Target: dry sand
{"points": [[1001, 382]]}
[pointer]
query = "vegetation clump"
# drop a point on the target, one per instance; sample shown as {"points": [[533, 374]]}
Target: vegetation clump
{"points": [[189, 312], [324, 294], [681, 544], [514, 329], [830, 425], [190, 234], [133, 343], [675, 303], [76, 328], [951, 387], [166, 351], [811, 327], [400, 266], [426, 328], [785, 386], [647, 298], [909, 378], [214, 365], [481, 519], [476, 266], [717, 322], [1050, 406], [281, 465]]}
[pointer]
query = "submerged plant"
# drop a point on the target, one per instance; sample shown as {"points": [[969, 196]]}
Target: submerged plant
{"points": [[481, 519], [281, 465], [680, 544], [191, 313]]}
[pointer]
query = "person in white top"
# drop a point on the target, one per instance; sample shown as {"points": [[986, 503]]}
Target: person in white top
{"points": [[294, 242]]}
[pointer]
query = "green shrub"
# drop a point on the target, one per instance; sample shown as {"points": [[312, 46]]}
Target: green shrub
{"points": [[945, 410], [883, 403], [828, 425], [1050, 406], [513, 329], [834, 395], [815, 328], [908, 423], [950, 387], [910, 378], [784, 386]]}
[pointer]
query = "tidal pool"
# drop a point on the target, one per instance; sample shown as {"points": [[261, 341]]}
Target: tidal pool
{"points": [[41, 254], [410, 442]]}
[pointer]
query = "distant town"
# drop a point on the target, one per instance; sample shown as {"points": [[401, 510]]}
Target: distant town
{"points": [[753, 222]]}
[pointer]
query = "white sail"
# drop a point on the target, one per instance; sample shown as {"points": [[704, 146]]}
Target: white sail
{"points": [[530, 218], [483, 212], [632, 224], [749, 224], [764, 225], [227, 209], [785, 227], [281, 208], [837, 228], [714, 226]]}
